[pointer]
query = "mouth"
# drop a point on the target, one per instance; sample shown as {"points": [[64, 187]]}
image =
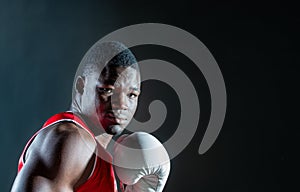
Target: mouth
{"points": [[118, 119]]}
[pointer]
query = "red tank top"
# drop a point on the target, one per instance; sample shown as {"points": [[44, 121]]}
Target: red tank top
{"points": [[102, 177]]}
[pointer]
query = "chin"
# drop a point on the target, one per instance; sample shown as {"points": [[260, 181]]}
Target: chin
{"points": [[114, 129]]}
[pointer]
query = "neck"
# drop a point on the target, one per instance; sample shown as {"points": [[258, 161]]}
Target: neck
{"points": [[75, 107], [102, 138]]}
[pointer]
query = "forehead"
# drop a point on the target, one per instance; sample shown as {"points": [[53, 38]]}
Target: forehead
{"points": [[119, 75]]}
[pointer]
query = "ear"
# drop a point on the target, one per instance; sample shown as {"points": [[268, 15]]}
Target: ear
{"points": [[80, 81]]}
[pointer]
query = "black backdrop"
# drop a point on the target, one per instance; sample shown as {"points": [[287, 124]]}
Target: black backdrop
{"points": [[42, 42]]}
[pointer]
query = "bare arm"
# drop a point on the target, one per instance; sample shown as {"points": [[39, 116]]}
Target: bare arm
{"points": [[56, 160]]}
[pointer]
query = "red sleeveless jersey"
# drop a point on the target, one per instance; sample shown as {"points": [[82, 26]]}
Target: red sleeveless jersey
{"points": [[102, 177]]}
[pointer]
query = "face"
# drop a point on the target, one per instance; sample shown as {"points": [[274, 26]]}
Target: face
{"points": [[115, 94]]}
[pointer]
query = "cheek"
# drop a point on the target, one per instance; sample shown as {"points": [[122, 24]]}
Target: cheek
{"points": [[102, 103], [133, 106], [102, 99], [88, 100]]}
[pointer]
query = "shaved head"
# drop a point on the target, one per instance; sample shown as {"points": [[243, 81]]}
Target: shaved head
{"points": [[102, 56], [106, 54]]}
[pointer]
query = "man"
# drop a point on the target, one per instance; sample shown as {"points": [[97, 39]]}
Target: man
{"points": [[69, 152]]}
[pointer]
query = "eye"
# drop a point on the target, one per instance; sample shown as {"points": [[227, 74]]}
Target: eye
{"points": [[105, 91], [133, 95]]}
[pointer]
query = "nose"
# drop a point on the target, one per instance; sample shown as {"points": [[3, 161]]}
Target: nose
{"points": [[119, 101]]}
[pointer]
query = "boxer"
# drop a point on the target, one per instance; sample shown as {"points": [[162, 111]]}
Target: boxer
{"points": [[69, 152]]}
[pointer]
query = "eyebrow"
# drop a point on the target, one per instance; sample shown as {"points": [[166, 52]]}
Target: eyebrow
{"points": [[135, 89], [104, 85], [107, 85]]}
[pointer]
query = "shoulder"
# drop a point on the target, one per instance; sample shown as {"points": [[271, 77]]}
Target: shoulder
{"points": [[65, 134], [63, 143]]}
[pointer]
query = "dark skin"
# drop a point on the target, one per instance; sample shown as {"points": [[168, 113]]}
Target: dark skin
{"points": [[117, 103], [62, 156]]}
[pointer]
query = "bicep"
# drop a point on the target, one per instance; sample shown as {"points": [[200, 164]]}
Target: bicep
{"points": [[56, 161], [33, 178]]}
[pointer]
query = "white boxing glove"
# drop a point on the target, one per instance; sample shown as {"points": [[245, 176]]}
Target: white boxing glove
{"points": [[141, 162]]}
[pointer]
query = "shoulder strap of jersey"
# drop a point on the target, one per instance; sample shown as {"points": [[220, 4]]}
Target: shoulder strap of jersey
{"points": [[67, 116]]}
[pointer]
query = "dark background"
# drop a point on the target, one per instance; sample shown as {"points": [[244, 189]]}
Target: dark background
{"points": [[42, 43]]}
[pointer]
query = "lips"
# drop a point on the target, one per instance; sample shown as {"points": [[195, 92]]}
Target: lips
{"points": [[116, 118]]}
